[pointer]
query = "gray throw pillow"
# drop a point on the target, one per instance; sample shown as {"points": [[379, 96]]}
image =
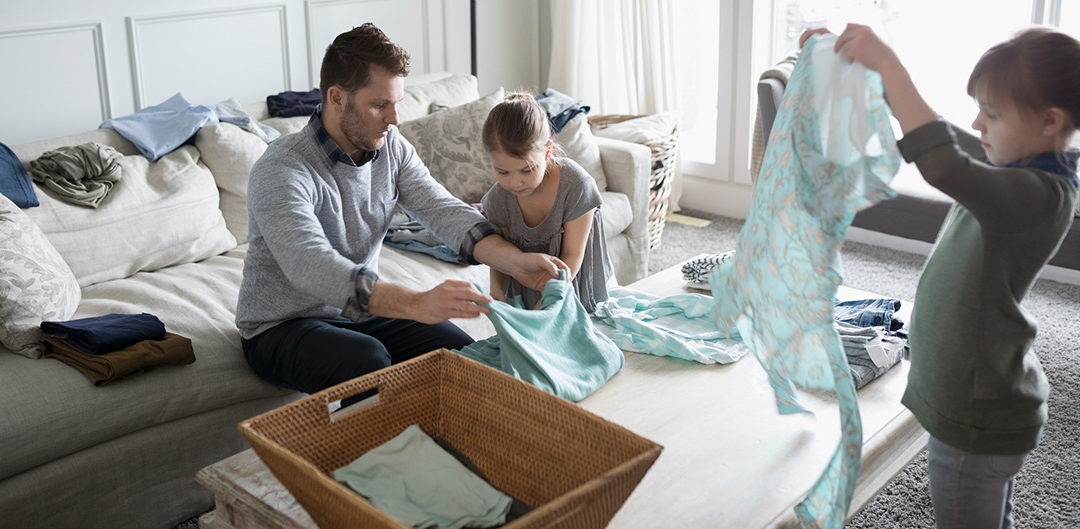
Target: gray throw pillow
{"points": [[449, 144], [35, 282]]}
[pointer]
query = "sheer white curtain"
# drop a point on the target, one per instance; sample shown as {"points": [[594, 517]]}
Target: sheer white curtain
{"points": [[617, 56]]}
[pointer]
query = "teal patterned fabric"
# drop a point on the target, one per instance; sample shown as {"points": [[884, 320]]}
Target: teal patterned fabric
{"points": [[831, 153], [681, 326]]}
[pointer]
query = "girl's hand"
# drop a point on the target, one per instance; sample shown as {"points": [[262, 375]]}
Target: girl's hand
{"points": [[859, 43], [810, 33]]}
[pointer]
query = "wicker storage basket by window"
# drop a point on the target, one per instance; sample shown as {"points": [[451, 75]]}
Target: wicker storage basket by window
{"points": [[662, 173], [575, 468]]}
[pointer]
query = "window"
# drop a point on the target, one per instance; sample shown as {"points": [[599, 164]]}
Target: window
{"points": [[938, 41]]}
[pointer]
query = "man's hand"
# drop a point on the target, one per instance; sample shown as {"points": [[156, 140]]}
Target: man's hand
{"points": [[450, 299], [535, 269]]}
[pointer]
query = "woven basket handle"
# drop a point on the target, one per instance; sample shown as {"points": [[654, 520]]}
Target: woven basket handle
{"points": [[354, 387]]}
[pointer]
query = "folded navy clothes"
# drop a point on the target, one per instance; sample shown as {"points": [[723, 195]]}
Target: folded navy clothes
{"points": [[108, 333], [288, 104], [560, 107], [14, 182]]}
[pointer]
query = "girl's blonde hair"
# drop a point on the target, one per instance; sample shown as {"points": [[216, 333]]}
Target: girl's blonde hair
{"points": [[517, 126], [1037, 69]]}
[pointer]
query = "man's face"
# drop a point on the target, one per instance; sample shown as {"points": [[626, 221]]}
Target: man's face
{"points": [[369, 111]]}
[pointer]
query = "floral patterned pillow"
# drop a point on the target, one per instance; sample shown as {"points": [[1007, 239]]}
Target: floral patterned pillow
{"points": [[448, 142], [35, 282]]}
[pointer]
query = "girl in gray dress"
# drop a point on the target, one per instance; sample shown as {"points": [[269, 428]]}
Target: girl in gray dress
{"points": [[542, 203]]}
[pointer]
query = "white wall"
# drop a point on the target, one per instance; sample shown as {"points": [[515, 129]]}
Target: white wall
{"points": [[70, 64]]}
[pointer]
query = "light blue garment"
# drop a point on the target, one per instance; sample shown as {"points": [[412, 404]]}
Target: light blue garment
{"points": [[831, 153], [441, 252], [682, 326], [231, 111], [413, 479], [555, 348], [159, 129]]}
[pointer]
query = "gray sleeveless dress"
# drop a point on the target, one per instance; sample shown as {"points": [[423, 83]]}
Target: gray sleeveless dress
{"points": [[576, 196]]}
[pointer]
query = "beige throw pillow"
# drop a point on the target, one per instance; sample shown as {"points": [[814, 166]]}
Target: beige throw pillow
{"points": [[229, 152], [35, 282], [449, 143], [157, 215], [577, 140]]}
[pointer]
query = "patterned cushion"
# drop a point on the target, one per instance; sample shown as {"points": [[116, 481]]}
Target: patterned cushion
{"points": [[448, 142], [35, 282]]}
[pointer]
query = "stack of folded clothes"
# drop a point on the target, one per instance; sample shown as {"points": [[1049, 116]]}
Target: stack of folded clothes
{"points": [[113, 346]]}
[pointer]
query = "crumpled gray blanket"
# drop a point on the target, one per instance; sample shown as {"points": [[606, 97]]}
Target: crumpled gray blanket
{"points": [[81, 174]]}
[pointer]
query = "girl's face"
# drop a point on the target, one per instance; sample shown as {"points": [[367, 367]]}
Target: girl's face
{"points": [[520, 176], [1008, 134]]}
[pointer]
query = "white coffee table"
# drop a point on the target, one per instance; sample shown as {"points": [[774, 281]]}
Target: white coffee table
{"points": [[729, 459]]}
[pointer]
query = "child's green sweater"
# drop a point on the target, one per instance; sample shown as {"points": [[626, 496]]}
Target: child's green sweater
{"points": [[975, 381]]}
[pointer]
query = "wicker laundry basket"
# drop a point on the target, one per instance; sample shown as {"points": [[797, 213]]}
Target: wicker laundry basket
{"points": [[663, 164], [574, 467]]}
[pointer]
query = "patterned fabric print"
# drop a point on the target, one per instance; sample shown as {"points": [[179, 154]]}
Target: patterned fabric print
{"points": [[696, 271], [681, 326], [35, 282], [448, 142], [832, 153]]}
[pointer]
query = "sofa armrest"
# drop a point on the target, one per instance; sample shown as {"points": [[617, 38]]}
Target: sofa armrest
{"points": [[626, 166]]}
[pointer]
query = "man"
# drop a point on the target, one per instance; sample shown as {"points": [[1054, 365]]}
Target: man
{"points": [[312, 310]]}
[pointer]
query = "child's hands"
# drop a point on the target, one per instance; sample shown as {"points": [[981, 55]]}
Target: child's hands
{"points": [[535, 269], [859, 43], [810, 33]]}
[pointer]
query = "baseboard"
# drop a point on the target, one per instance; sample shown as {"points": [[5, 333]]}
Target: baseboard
{"points": [[860, 235]]}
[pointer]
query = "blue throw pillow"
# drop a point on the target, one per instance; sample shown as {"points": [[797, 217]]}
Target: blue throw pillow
{"points": [[159, 129], [14, 182]]}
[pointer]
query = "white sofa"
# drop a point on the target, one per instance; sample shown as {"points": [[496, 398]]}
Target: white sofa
{"points": [[169, 240]]}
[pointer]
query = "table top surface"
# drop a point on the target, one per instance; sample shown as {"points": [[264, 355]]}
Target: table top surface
{"points": [[729, 459]]}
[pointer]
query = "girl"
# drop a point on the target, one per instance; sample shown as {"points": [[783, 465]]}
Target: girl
{"points": [[975, 382], [542, 203]]}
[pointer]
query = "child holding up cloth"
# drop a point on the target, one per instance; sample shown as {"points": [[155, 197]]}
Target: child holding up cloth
{"points": [[975, 382]]}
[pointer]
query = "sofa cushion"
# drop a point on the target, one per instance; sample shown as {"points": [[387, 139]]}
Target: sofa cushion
{"points": [[424, 89], [159, 214], [35, 282], [576, 139], [616, 212], [449, 143], [53, 410], [229, 152]]}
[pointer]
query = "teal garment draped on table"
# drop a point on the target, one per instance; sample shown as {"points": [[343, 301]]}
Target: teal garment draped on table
{"points": [[682, 326], [555, 348], [830, 154]]}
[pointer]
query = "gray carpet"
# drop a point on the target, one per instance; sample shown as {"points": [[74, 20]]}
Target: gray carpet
{"points": [[1048, 488]]}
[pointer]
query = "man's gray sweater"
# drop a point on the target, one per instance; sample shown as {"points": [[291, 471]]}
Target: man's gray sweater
{"points": [[317, 223]]}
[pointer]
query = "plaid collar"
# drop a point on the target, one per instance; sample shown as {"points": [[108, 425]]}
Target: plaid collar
{"points": [[332, 150]]}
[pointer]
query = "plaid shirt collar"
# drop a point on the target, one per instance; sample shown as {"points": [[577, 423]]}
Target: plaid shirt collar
{"points": [[330, 147]]}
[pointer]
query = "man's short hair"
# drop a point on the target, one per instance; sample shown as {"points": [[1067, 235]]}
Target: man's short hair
{"points": [[347, 62]]}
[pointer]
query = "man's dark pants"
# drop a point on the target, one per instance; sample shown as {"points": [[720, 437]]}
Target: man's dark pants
{"points": [[311, 354]]}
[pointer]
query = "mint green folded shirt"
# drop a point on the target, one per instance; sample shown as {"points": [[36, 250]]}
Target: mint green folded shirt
{"points": [[555, 348]]}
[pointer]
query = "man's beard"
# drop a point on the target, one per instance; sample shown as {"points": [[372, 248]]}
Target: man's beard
{"points": [[353, 130]]}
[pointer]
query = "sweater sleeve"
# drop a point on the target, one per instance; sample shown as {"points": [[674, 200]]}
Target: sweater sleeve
{"points": [[1003, 199]]}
